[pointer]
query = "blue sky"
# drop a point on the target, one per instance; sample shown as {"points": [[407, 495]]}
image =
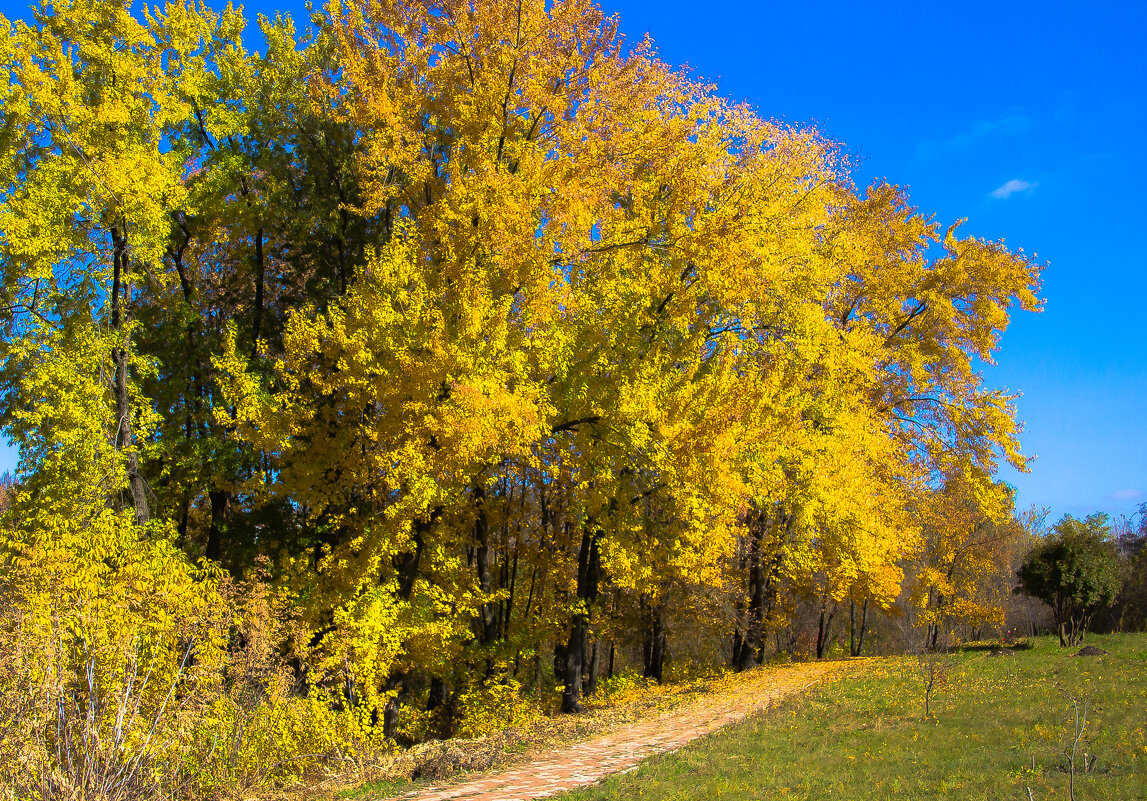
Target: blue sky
{"points": [[1026, 118]]}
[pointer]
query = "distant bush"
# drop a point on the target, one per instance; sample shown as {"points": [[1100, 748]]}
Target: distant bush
{"points": [[1075, 571]]}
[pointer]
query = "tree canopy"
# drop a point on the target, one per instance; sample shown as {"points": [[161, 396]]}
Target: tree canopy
{"points": [[1075, 572], [498, 338]]}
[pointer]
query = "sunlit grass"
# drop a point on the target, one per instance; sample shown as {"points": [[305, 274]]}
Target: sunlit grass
{"points": [[1000, 726]]}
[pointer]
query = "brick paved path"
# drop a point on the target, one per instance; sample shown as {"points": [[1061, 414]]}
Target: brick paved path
{"points": [[588, 762]]}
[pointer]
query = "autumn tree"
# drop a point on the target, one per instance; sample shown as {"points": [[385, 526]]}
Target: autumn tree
{"points": [[962, 572], [497, 337], [505, 323]]}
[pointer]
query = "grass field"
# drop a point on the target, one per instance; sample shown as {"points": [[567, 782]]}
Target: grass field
{"points": [[1000, 725]]}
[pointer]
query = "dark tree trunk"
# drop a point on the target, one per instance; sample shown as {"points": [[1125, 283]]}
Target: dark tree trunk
{"points": [[390, 716], [589, 684], [654, 650], [766, 538], [487, 632], [509, 607], [589, 572], [440, 702], [852, 627], [219, 501], [437, 694], [124, 441], [856, 639], [824, 630], [934, 629], [559, 662], [747, 644], [175, 253], [184, 515], [257, 312], [575, 656], [407, 564]]}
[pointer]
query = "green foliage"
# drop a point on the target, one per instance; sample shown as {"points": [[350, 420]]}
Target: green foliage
{"points": [[1129, 612], [1075, 572]]}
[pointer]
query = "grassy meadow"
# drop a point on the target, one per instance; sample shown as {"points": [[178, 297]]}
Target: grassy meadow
{"points": [[1000, 726]]}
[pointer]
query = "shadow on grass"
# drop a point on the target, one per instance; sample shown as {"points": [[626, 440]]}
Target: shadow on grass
{"points": [[994, 647], [381, 789]]}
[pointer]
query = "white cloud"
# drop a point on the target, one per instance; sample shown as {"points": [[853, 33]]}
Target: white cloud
{"points": [[1011, 187], [1126, 494]]}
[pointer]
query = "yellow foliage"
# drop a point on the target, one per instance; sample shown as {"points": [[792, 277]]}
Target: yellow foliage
{"points": [[490, 333]]}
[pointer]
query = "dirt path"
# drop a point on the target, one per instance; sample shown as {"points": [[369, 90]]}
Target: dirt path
{"points": [[590, 761]]}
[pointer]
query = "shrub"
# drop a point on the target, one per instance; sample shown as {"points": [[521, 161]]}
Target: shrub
{"points": [[1075, 571], [126, 672], [494, 704]]}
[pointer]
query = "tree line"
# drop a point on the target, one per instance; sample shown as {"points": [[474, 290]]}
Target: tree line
{"points": [[493, 346]]}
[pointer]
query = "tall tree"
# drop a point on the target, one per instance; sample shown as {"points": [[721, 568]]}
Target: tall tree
{"points": [[498, 334]]}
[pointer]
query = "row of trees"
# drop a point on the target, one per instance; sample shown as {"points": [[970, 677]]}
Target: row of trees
{"points": [[506, 346]]}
